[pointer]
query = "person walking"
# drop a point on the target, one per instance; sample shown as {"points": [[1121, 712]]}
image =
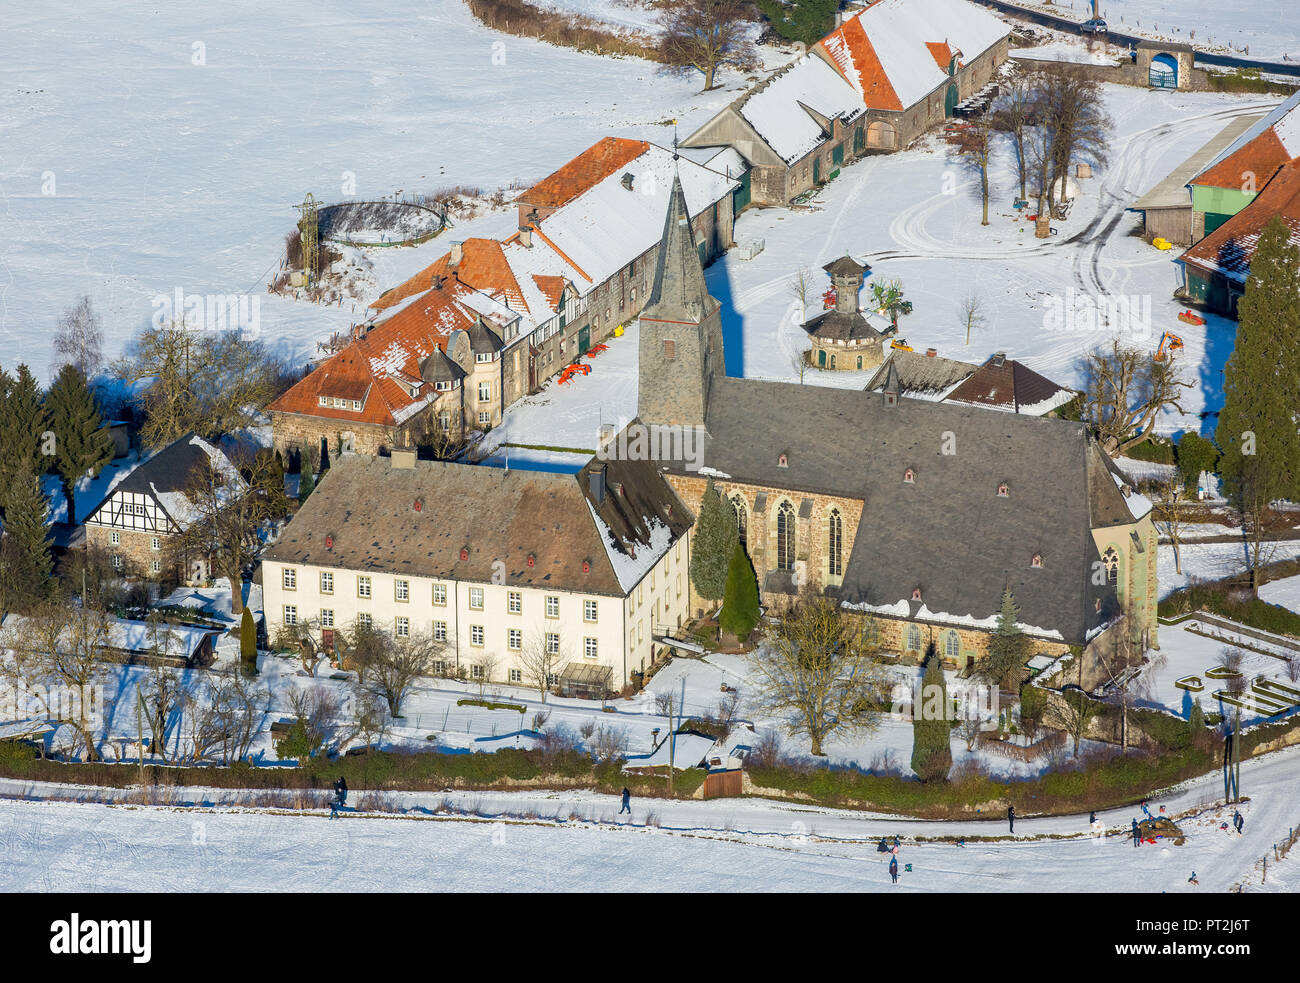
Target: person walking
{"points": [[1092, 818], [1137, 835], [341, 791], [1238, 822], [627, 800], [1011, 818], [893, 869]]}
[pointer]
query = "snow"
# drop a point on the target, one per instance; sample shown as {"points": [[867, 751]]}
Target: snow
{"points": [[776, 113], [1075, 52], [1284, 593], [1269, 30], [915, 215], [162, 173], [525, 841], [631, 568]]}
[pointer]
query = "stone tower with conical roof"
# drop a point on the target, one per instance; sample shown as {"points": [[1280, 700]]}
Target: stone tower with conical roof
{"points": [[681, 329]]}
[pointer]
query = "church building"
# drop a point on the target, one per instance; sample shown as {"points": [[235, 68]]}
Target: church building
{"points": [[917, 514]]}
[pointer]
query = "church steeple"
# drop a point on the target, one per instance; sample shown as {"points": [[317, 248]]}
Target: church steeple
{"points": [[678, 292], [680, 350]]}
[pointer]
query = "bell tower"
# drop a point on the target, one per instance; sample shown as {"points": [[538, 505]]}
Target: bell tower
{"points": [[680, 350]]}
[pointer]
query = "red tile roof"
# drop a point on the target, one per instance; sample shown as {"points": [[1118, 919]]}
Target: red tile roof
{"points": [[483, 266], [851, 50], [941, 52], [1229, 248], [370, 367], [584, 172], [1254, 163]]}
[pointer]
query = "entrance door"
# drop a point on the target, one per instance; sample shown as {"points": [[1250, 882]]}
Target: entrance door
{"points": [[817, 170], [950, 101], [1164, 72], [584, 339]]}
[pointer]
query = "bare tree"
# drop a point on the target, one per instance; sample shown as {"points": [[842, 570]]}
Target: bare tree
{"points": [[1293, 667], [540, 659], [79, 339], [1128, 671], [817, 672], [706, 35], [1071, 110], [482, 669], [161, 695], [970, 727], [370, 718], [975, 146], [1173, 496], [972, 312], [229, 502], [800, 286], [204, 382], [1125, 391], [57, 650], [1074, 712], [1013, 114], [398, 664]]}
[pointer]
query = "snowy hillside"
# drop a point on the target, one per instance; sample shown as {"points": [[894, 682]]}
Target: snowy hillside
{"points": [[146, 148]]}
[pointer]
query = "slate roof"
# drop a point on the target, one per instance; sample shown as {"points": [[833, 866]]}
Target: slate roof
{"points": [[166, 475], [949, 533], [368, 508], [678, 292], [841, 326], [1005, 384], [920, 375]]}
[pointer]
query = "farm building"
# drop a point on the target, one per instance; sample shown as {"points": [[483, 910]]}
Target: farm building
{"points": [[577, 268], [896, 68], [1167, 209], [1215, 269]]}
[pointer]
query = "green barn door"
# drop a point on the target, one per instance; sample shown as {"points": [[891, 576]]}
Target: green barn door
{"points": [[817, 170], [950, 101], [740, 197], [584, 338]]}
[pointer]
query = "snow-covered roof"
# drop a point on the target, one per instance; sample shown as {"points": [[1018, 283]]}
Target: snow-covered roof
{"points": [[1284, 121], [606, 227], [895, 52], [779, 110]]}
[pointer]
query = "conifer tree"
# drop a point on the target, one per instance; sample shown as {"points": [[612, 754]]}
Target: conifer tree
{"points": [[23, 424], [1008, 648], [1261, 385], [712, 543], [81, 444], [1196, 718], [248, 643], [931, 728], [28, 563], [740, 605]]}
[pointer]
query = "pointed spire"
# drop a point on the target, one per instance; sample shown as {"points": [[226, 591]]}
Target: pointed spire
{"points": [[678, 292]]}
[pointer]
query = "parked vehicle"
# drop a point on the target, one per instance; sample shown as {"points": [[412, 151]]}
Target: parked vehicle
{"points": [[1094, 25]]}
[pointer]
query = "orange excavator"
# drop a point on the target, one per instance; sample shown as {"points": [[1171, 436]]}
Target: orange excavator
{"points": [[1169, 344]]}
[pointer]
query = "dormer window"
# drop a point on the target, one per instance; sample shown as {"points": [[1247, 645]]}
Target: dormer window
{"points": [[782, 461], [356, 404], [916, 593], [1036, 561], [324, 401], [483, 357], [909, 477], [1004, 491], [444, 387]]}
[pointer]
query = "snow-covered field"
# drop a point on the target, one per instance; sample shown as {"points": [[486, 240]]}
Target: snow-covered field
{"points": [[145, 149], [532, 841], [1270, 30]]}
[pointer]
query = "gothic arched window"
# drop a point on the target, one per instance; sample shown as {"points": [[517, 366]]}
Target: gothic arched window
{"points": [[835, 544], [1111, 559], [785, 537], [742, 520]]}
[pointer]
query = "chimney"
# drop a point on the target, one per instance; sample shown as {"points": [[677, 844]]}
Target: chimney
{"points": [[402, 459], [457, 254], [526, 236], [629, 179], [437, 282], [931, 353], [999, 358], [596, 483]]}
